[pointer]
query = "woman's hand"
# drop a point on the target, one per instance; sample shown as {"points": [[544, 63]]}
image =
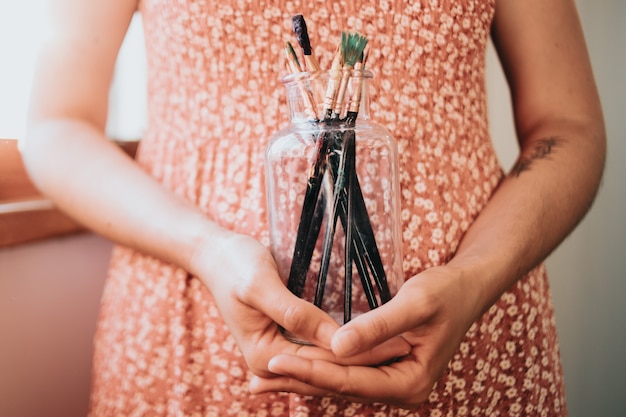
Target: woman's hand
{"points": [[432, 312], [254, 302]]}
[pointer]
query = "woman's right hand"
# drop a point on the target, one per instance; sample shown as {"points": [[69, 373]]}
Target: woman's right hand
{"points": [[254, 302]]}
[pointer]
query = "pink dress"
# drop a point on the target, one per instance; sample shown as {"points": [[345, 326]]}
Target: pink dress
{"points": [[162, 348]]}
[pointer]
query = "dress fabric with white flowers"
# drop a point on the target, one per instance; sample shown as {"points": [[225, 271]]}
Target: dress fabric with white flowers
{"points": [[215, 97]]}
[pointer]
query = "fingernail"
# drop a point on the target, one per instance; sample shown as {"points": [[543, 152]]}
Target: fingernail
{"points": [[253, 385], [345, 343], [272, 366]]}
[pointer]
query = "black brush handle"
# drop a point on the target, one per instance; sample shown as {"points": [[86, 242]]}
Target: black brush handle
{"points": [[351, 225], [368, 240], [359, 256], [337, 170], [349, 150], [313, 234], [357, 248], [364, 226], [301, 259]]}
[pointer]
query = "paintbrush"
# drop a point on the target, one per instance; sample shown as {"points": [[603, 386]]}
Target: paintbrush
{"points": [[295, 67], [302, 35], [334, 79], [364, 226], [309, 225], [351, 49]]}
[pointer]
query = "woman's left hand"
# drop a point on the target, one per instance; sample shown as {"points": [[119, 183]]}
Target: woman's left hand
{"points": [[432, 312]]}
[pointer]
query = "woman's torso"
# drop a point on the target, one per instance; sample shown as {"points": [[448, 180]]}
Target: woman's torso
{"points": [[214, 100]]}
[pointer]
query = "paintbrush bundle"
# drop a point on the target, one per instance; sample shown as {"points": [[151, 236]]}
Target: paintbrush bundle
{"points": [[332, 185]]}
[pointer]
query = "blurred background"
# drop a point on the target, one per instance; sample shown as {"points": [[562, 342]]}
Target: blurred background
{"points": [[50, 289]]}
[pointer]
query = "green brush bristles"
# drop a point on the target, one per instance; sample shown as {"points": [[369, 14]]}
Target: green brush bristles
{"points": [[291, 54], [352, 46]]}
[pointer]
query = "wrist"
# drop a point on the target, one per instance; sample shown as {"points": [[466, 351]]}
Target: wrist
{"points": [[481, 282], [206, 241]]}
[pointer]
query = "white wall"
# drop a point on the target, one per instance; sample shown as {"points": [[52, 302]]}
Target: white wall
{"points": [[588, 272], [21, 30], [127, 101]]}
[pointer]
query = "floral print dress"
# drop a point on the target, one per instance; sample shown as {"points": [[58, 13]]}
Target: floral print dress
{"points": [[161, 347]]}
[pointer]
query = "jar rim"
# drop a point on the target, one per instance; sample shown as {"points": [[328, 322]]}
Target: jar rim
{"points": [[297, 76]]}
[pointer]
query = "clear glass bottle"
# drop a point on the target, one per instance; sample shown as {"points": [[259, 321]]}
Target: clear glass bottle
{"points": [[332, 183]]}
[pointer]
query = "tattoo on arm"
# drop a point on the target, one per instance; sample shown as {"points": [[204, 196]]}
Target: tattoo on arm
{"points": [[543, 149]]}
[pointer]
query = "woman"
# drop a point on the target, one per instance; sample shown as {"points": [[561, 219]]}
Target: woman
{"points": [[191, 308]]}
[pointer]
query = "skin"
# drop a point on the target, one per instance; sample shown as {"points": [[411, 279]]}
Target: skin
{"points": [[560, 129]]}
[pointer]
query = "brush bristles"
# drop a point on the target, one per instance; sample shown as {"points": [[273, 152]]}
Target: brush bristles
{"points": [[302, 35], [292, 56], [352, 46]]}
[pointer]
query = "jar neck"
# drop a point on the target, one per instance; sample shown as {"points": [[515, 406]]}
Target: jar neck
{"points": [[328, 95]]}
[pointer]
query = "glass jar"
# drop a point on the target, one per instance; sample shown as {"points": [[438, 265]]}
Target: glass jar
{"points": [[333, 197]]}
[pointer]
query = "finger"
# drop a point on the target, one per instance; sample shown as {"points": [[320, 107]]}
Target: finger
{"points": [[387, 351], [385, 383], [299, 317], [374, 327], [283, 384]]}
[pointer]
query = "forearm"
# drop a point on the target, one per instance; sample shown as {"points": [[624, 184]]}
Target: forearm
{"points": [[560, 128], [70, 160], [536, 206], [88, 177]]}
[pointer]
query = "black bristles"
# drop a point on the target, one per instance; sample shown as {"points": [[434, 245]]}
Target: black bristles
{"points": [[299, 28]]}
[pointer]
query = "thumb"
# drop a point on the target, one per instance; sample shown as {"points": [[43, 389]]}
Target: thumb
{"points": [[301, 318], [373, 328]]}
